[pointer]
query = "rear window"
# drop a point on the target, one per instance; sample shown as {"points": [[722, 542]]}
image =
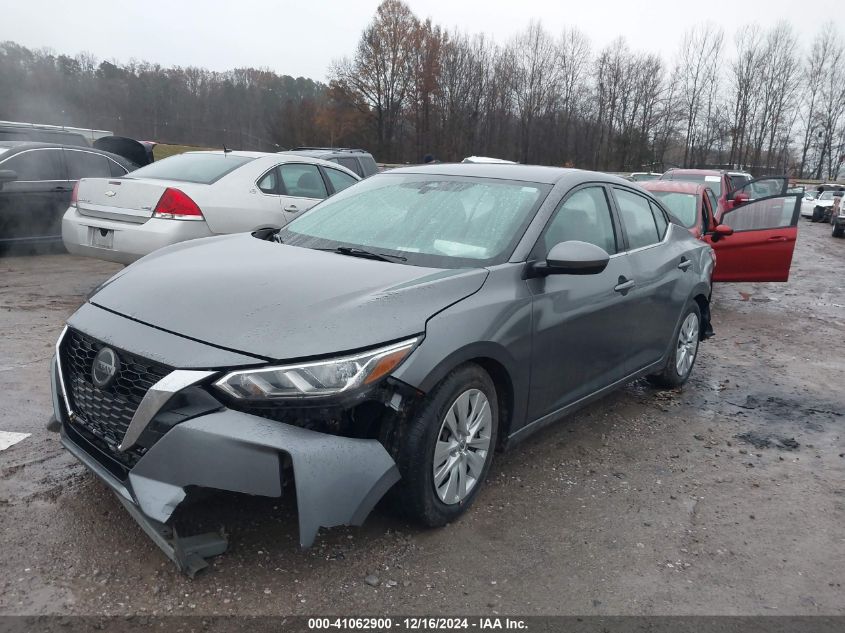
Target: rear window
{"points": [[200, 168]]}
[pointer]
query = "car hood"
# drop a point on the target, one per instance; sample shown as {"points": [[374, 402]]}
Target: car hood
{"points": [[281, 302]]}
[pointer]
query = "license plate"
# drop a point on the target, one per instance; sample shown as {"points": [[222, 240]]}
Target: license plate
{"points": [[101, 238]]}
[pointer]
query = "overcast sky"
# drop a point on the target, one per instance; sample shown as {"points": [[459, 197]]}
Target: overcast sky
{"points": [[302, 37]]}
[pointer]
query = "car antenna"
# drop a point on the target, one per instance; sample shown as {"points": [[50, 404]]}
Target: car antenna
{"points": [[225, 149]]}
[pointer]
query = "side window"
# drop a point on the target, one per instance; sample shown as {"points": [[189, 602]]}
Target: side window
{"points": [[637, 218], [116, 169], [43, 164], [339, 180], [768, 213], [369, 165], [86, 165], [302, 181], [269, 182], [660, 220], [583, 216], [351, 164]]}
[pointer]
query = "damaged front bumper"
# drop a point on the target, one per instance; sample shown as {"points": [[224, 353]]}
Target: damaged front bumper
{"points": [[338, 480]]}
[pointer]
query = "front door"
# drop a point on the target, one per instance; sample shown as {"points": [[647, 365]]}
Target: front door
{"points": [[763, 240], [580, 322], [31, 207]]}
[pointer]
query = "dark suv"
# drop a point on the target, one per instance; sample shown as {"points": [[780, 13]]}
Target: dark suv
{"points": [[36, 181], [357, 160]]}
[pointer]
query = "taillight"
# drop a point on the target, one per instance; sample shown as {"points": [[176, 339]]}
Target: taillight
{"points": [[74, 194], [175, 204]]}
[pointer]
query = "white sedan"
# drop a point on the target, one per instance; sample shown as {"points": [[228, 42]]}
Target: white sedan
{"points": [[192, 195]]}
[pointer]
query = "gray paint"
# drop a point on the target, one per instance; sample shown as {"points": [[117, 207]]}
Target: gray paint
{"points": [[282, 302], [559, 340]]}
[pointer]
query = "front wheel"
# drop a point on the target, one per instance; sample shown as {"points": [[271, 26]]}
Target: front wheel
{"points": [[838, 230], [447, 449], [684, 351]]}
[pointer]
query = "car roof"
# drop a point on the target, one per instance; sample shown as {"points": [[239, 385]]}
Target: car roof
{"points": [[679, 186], [504, 171], [317, 152], [696, 172], [24, 145]]}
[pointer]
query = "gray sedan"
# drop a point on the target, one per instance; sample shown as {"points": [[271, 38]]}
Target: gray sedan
{"points": [[395, 336]]}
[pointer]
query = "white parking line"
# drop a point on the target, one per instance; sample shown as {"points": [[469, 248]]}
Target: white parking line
{"points": [[9, 438]]}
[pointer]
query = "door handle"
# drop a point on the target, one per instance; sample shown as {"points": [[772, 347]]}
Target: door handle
{"points": [[292, 208], [685, 263], [624, 285], [777, 238]]}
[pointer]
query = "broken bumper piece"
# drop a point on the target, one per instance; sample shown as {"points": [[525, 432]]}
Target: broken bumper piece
{"points": [[338, 480]]}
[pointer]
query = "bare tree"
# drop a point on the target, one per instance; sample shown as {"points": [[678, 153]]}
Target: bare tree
{"points": [[534, 78], [699, 61]]}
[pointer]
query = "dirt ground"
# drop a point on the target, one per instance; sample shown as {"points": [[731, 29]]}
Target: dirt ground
{"points": [[727, 497]]}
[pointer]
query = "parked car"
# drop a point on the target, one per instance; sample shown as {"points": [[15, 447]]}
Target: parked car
{"points": [[739, 178], [488, 160], [754, 241], [357, 161], [727, 193], [36, 181], [838, 221], [820, 208], [643, 176], [396, 334], [37, 133], [192, 195]]}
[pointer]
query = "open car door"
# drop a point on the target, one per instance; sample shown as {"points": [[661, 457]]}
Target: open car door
{"points": [[757, 189], [763, 239]]}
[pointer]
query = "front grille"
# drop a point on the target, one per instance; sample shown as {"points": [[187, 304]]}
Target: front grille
{"points": [[105, 413]]}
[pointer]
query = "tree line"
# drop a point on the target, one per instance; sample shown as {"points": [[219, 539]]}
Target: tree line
{"points": [[765, 101]]}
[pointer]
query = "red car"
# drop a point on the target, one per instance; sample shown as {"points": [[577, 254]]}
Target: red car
{"points": [[754, 239]]}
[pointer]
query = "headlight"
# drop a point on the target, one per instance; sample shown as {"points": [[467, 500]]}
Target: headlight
{"points": [[320, 378]]}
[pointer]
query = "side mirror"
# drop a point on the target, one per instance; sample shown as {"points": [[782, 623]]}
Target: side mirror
{"points": [[740, 198], [721, 230], [573, 258]]}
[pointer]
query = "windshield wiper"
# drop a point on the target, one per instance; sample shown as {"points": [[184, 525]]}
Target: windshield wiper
{"points": [[360, 252]]}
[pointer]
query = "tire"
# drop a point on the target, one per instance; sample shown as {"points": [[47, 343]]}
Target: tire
{"points": [[838, 230], [417, 496], [675, 373], [818, 214]]}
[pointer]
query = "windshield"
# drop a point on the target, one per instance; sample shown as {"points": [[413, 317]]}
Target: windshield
{"points": [[683, 206], [431, 220], [737, 180], [827, 195], [200, 168]]}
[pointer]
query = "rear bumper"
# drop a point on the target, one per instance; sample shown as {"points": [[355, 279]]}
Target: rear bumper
{"points": [[131, 241], [337, 480]]}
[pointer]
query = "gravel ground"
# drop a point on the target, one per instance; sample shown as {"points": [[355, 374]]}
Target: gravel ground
{"points": [[726, 497]]}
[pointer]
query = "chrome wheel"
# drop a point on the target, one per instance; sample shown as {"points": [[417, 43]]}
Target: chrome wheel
{"points": [[462, 448], [687, 345]]}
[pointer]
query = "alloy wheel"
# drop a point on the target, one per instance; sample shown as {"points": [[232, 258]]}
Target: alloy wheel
{"points": [[687, 345], [463, 446]]}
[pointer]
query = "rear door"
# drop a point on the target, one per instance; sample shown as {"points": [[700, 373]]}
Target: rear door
{"points": [[302, 187], [31, 207], [660, 270], [763, 240]]}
